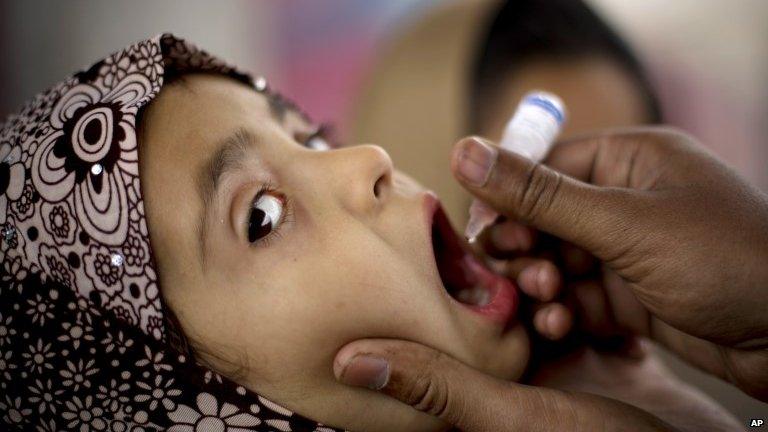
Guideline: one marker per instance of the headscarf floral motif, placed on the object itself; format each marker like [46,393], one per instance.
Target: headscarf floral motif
[83,340]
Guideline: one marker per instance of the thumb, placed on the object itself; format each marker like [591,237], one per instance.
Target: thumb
[534,194]
[436,384]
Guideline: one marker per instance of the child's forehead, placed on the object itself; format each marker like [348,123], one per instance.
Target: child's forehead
[190,119]
[203,106]
[209,95]
[222,92]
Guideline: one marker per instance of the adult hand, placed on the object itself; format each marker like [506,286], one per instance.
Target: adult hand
[439,385]
[685,239]
[636,376]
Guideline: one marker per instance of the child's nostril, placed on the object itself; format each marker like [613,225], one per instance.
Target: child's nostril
[377,187]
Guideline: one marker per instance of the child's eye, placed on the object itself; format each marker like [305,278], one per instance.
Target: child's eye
[318,140]
[265,216]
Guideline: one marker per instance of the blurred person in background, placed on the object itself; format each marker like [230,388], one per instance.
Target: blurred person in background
[469,80]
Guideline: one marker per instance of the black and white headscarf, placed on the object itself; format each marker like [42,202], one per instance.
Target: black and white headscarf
[84,343]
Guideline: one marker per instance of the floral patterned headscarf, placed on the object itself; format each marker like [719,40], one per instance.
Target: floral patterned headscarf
[85,343]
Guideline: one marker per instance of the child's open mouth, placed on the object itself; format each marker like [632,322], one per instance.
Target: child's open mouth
[466,279]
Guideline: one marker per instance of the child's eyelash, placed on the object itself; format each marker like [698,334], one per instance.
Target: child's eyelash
[326,131]
[285,217]
[323,131]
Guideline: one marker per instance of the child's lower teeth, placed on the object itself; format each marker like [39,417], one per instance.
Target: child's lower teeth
[475,296]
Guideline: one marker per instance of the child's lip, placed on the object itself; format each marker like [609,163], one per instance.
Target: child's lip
[504,299]
[431,204]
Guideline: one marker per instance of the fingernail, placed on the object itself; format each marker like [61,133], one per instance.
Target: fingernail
[530,277]
[543,277]
[365,371]
[475,161]
[551,323]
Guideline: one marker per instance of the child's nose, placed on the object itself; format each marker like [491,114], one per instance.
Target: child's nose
[366,177]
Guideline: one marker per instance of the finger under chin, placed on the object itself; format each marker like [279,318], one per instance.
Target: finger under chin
[439,385]
[428,380]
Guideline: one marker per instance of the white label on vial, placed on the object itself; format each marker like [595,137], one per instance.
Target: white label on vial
[533,128]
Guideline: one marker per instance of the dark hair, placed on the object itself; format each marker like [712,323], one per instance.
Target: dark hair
[522,30]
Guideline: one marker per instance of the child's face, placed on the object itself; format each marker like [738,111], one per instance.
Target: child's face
[352,259]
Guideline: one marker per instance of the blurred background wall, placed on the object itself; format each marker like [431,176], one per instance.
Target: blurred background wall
[44,41]
[708,60]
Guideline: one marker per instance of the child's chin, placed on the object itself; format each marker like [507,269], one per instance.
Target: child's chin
[511,357]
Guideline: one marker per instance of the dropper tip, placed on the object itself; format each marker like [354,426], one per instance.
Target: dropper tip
[480,217]
[473,230]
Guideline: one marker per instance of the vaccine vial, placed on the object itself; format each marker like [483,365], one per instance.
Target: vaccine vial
[530,132]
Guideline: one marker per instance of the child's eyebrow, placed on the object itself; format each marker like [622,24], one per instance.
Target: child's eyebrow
[231,150]
[279,105]
[229,156]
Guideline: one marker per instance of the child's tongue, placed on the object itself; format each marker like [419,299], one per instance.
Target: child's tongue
[460,271]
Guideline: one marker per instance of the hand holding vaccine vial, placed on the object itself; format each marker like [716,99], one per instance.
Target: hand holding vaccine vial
[530,132]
